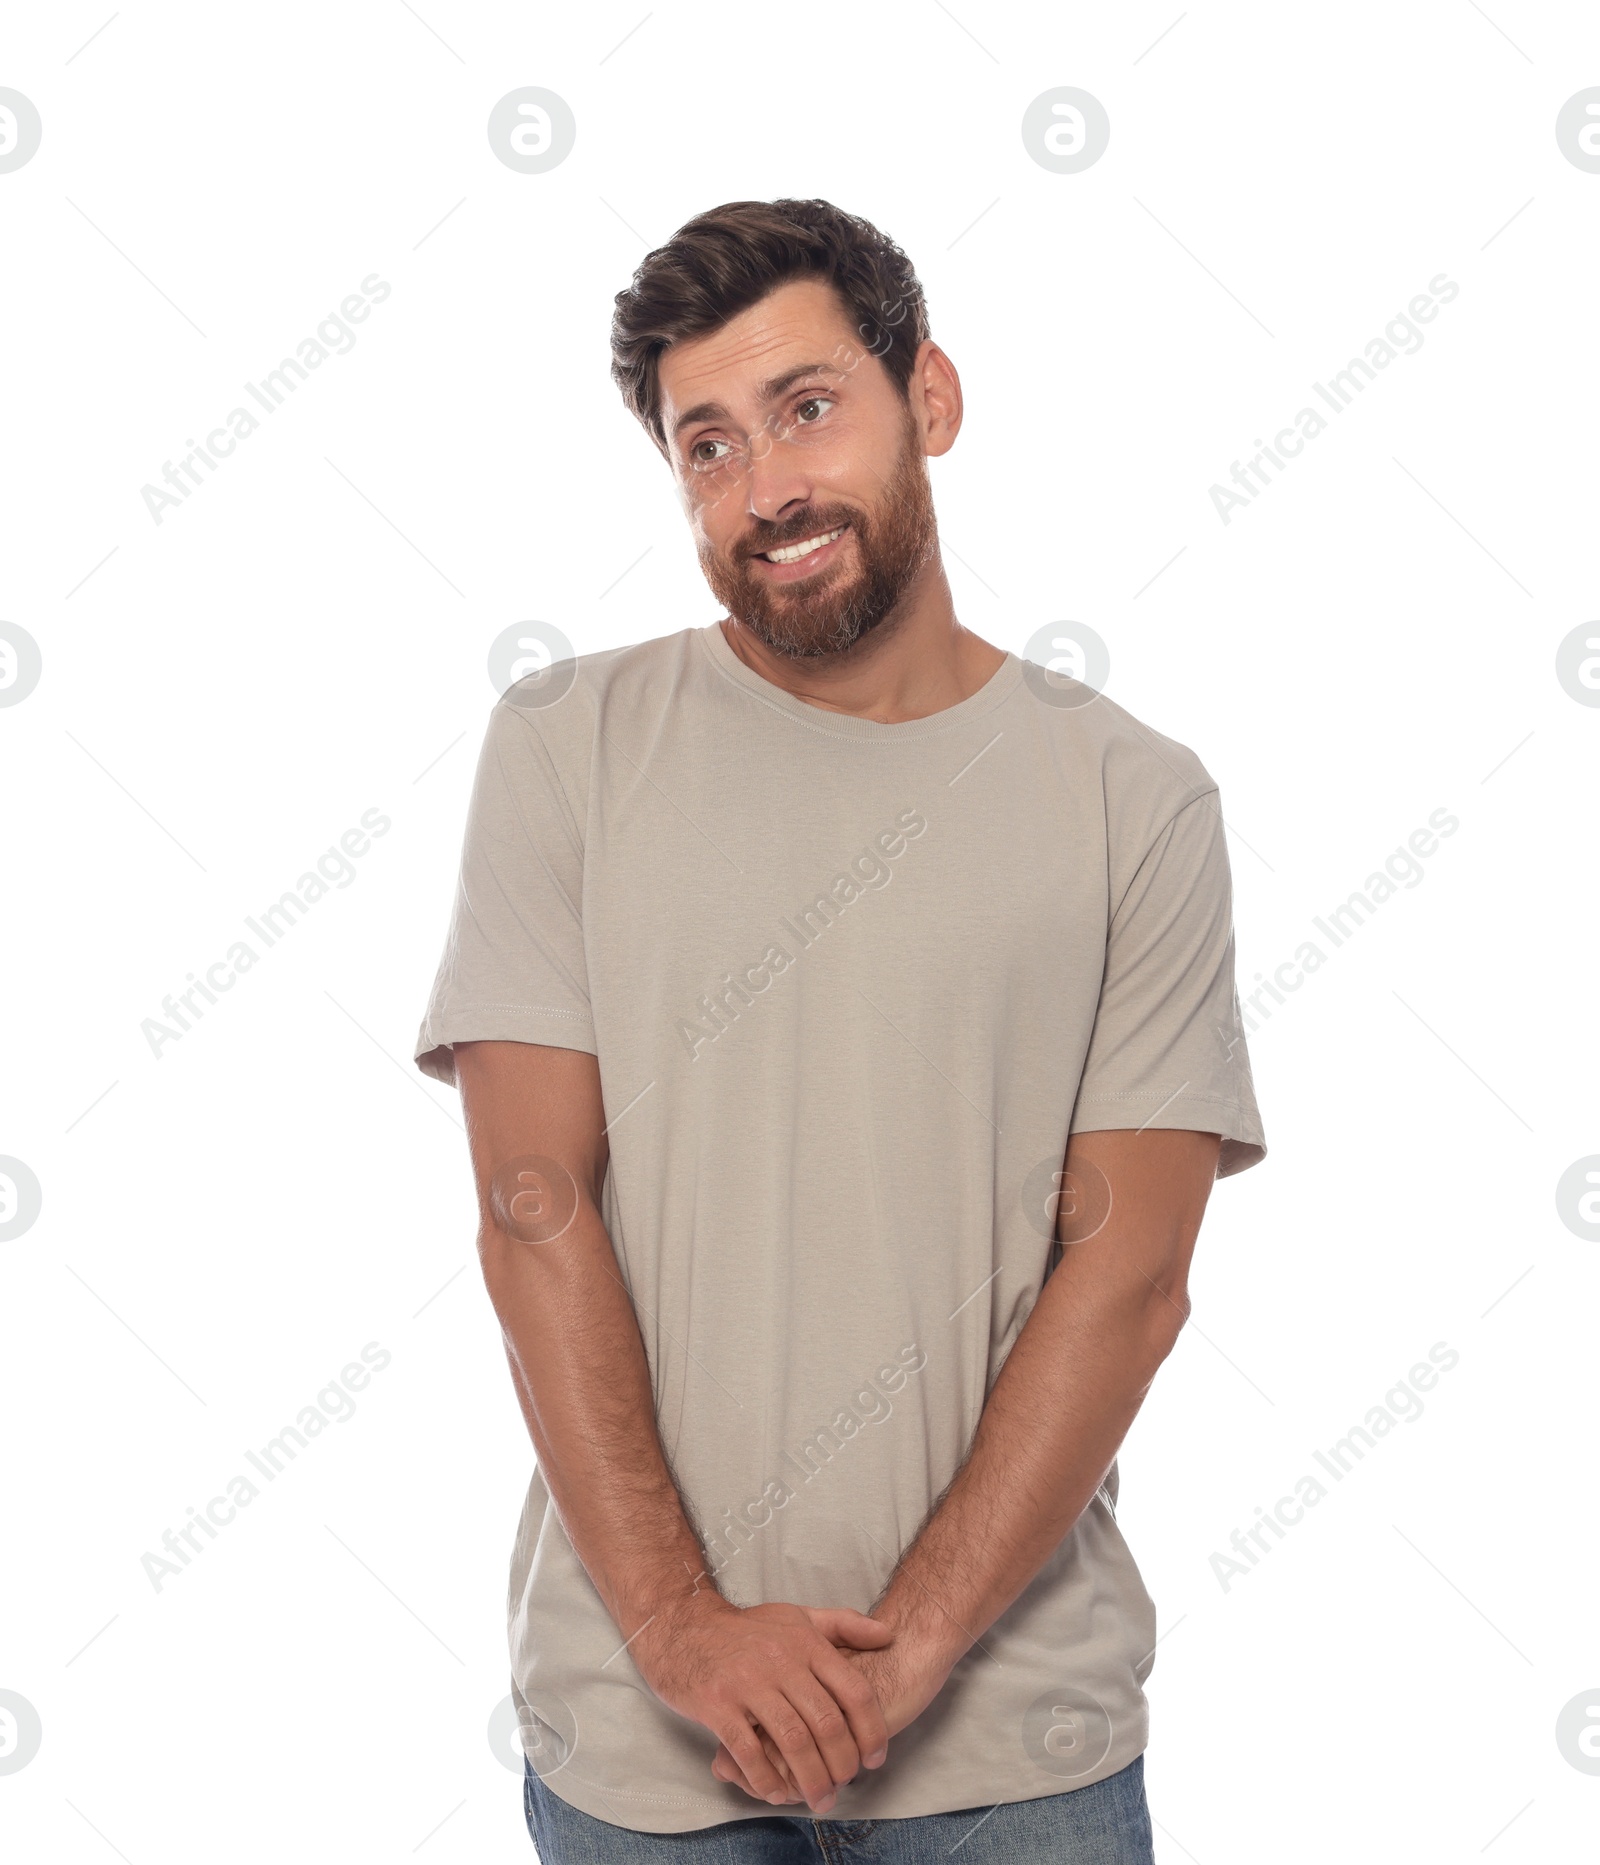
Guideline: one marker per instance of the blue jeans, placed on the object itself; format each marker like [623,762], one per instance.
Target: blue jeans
[1105,1824]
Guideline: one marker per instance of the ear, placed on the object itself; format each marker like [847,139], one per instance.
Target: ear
[935,391]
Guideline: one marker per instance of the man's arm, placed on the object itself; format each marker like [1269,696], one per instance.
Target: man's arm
[1058,1411]
[583,1382]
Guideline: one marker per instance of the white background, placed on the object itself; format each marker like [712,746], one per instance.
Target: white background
[224,693]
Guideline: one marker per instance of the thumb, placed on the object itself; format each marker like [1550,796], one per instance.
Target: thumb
[843,1625]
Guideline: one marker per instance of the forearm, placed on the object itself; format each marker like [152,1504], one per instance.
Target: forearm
[536,1125]
[1055,1418]
[583,1383]
[1068,1391]
[1057,1413]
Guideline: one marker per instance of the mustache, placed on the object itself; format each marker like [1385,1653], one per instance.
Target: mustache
[792,534]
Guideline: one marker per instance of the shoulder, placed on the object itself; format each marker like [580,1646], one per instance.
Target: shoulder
[1144,777]
[563,704]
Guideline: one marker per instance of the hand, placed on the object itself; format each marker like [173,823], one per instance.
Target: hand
[773,1669]
[905,1678]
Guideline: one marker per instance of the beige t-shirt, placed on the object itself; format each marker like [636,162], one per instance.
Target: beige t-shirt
[850,985]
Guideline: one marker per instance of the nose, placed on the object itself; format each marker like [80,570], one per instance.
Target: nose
[779,484]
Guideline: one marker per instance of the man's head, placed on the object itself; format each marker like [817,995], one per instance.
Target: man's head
[778,355]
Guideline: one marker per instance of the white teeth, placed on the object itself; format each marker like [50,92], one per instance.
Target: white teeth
[793,552]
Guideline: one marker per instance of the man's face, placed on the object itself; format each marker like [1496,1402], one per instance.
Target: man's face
[781,429]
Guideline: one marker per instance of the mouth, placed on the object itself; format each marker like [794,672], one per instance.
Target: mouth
[803,557]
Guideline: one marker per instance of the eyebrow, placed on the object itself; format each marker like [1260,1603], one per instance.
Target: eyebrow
[766,391]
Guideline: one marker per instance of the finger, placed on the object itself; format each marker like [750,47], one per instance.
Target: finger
[786,1723]
[779,1764]
[744,1747]
[826,1716]
[725,1768]
[842,1625]
[852,1690]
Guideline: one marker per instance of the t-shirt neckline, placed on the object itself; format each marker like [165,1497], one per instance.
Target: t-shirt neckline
[994,690]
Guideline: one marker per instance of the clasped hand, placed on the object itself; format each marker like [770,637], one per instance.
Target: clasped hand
[799,1697]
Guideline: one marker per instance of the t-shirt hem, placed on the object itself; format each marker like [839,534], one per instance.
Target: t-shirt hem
[517,1023]
[1243,1141]
[1166,1112]
[703,1811]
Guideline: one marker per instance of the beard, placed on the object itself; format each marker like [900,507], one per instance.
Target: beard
[829,612]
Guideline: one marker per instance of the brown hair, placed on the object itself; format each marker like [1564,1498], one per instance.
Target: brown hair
[725,260]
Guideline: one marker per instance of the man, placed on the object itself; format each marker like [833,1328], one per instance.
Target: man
[844,1015]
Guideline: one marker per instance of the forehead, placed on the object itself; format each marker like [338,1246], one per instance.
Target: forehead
[803,321]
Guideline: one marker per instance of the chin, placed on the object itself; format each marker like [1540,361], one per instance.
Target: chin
[838,636]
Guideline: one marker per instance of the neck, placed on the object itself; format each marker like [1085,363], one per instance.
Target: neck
[918,660]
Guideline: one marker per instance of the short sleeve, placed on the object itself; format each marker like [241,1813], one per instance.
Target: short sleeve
[513,964]
[1168,1046]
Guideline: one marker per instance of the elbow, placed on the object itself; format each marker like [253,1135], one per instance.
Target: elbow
[1166,1310]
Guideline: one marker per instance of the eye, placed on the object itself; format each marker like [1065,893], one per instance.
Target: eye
[697,458]
[812,401]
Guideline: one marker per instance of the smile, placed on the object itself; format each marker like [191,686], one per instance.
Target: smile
[792,553]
